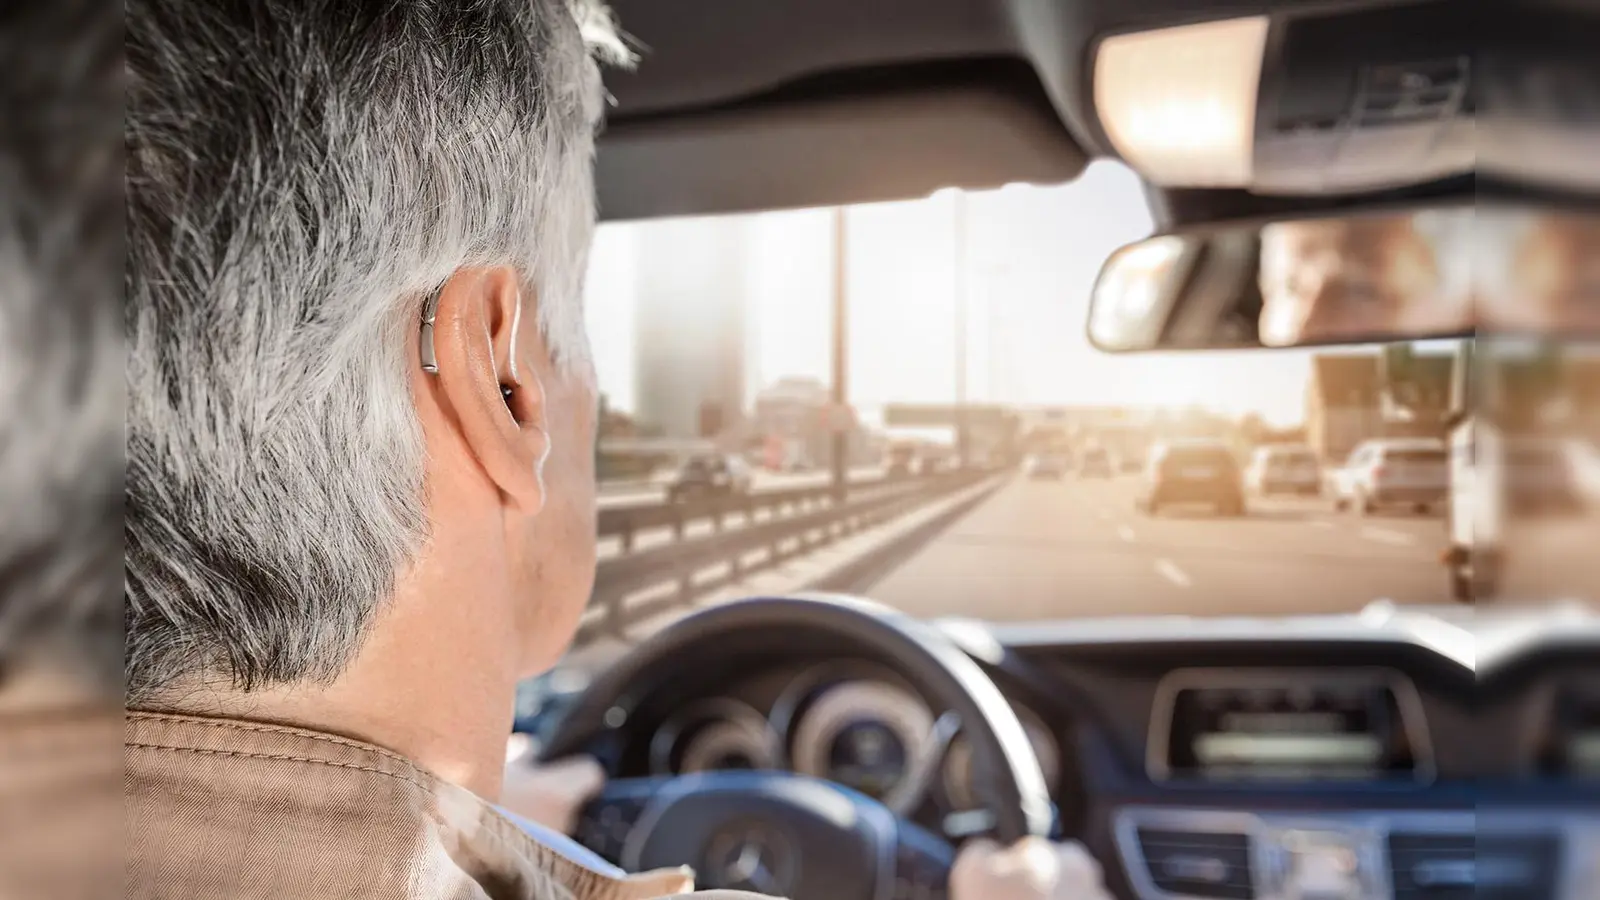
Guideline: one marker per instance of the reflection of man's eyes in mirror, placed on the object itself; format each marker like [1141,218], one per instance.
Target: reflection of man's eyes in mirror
[1358,288]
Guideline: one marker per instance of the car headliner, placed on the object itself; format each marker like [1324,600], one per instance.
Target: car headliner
[738,105]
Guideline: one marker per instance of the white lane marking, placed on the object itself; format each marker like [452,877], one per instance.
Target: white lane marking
[1388,536]
[1104,516]
[1125,533]
[1321,523]
[1169,570]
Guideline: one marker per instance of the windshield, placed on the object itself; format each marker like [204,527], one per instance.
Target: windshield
[940,403]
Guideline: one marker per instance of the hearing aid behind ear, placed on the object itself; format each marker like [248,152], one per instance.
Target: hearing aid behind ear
[430,311]
[425,349]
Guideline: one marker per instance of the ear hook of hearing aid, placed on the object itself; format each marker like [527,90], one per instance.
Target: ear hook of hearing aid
[430,311]
[425,348]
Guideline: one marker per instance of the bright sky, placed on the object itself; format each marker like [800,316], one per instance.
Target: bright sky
[1032,256]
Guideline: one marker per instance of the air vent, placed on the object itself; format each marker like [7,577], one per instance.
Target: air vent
[1464,867]
[1198,864]
[1401,93]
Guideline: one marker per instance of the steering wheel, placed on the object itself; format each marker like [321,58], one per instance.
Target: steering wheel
[787,834]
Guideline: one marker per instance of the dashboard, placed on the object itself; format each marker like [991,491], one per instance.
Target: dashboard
[1234,759]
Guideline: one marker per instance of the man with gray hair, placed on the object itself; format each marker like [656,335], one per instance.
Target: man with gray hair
[360,489]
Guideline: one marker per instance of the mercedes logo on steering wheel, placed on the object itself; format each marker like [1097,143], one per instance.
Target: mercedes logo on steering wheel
[751,856]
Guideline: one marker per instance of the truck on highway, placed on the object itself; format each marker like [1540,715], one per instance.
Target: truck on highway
[1501,389]
[1471,514]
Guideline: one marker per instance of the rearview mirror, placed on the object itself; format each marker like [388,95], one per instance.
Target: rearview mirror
[1408,275]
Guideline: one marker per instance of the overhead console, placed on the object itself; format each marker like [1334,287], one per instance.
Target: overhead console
[1366,100]
[1322,102]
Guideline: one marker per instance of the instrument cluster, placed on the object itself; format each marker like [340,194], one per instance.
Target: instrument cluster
[865,730]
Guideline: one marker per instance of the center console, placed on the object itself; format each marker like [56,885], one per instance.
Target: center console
[1196,854]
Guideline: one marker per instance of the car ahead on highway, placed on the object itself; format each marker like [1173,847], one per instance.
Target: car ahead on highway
[1390,472]
[1198,472]
[1046,466]
[710,475]
[1283,469]
[1096,463]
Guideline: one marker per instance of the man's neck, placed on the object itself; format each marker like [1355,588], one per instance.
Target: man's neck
[434,682]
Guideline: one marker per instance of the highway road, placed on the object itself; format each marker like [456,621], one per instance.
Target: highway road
[1078,547]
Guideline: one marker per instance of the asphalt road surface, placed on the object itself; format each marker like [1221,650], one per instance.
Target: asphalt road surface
[1078,547]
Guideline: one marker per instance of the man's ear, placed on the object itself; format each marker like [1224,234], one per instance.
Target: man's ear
[496,407]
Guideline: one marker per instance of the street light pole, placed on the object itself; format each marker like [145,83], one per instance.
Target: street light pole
[841,356]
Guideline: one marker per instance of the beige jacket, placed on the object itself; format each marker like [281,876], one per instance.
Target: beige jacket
[219,808]
[60,812]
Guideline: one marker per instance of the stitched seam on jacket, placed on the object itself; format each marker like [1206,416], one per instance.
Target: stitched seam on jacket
[284,757]
[156,718]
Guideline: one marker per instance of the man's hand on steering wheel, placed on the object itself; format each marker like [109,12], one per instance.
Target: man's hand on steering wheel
[551,794]
[1031,869]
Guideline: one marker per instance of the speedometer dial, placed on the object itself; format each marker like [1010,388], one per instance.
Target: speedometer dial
[958,778]
[865,735]
[728,745]
[713,736]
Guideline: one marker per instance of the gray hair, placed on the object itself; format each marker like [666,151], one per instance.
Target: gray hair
[60,338]
[300,174]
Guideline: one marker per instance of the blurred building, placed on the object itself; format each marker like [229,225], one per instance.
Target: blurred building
[691,327]
[790,421]
[621,446]
[1346,401]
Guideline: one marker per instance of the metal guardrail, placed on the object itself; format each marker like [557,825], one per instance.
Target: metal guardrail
[797,521]
[625,522]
